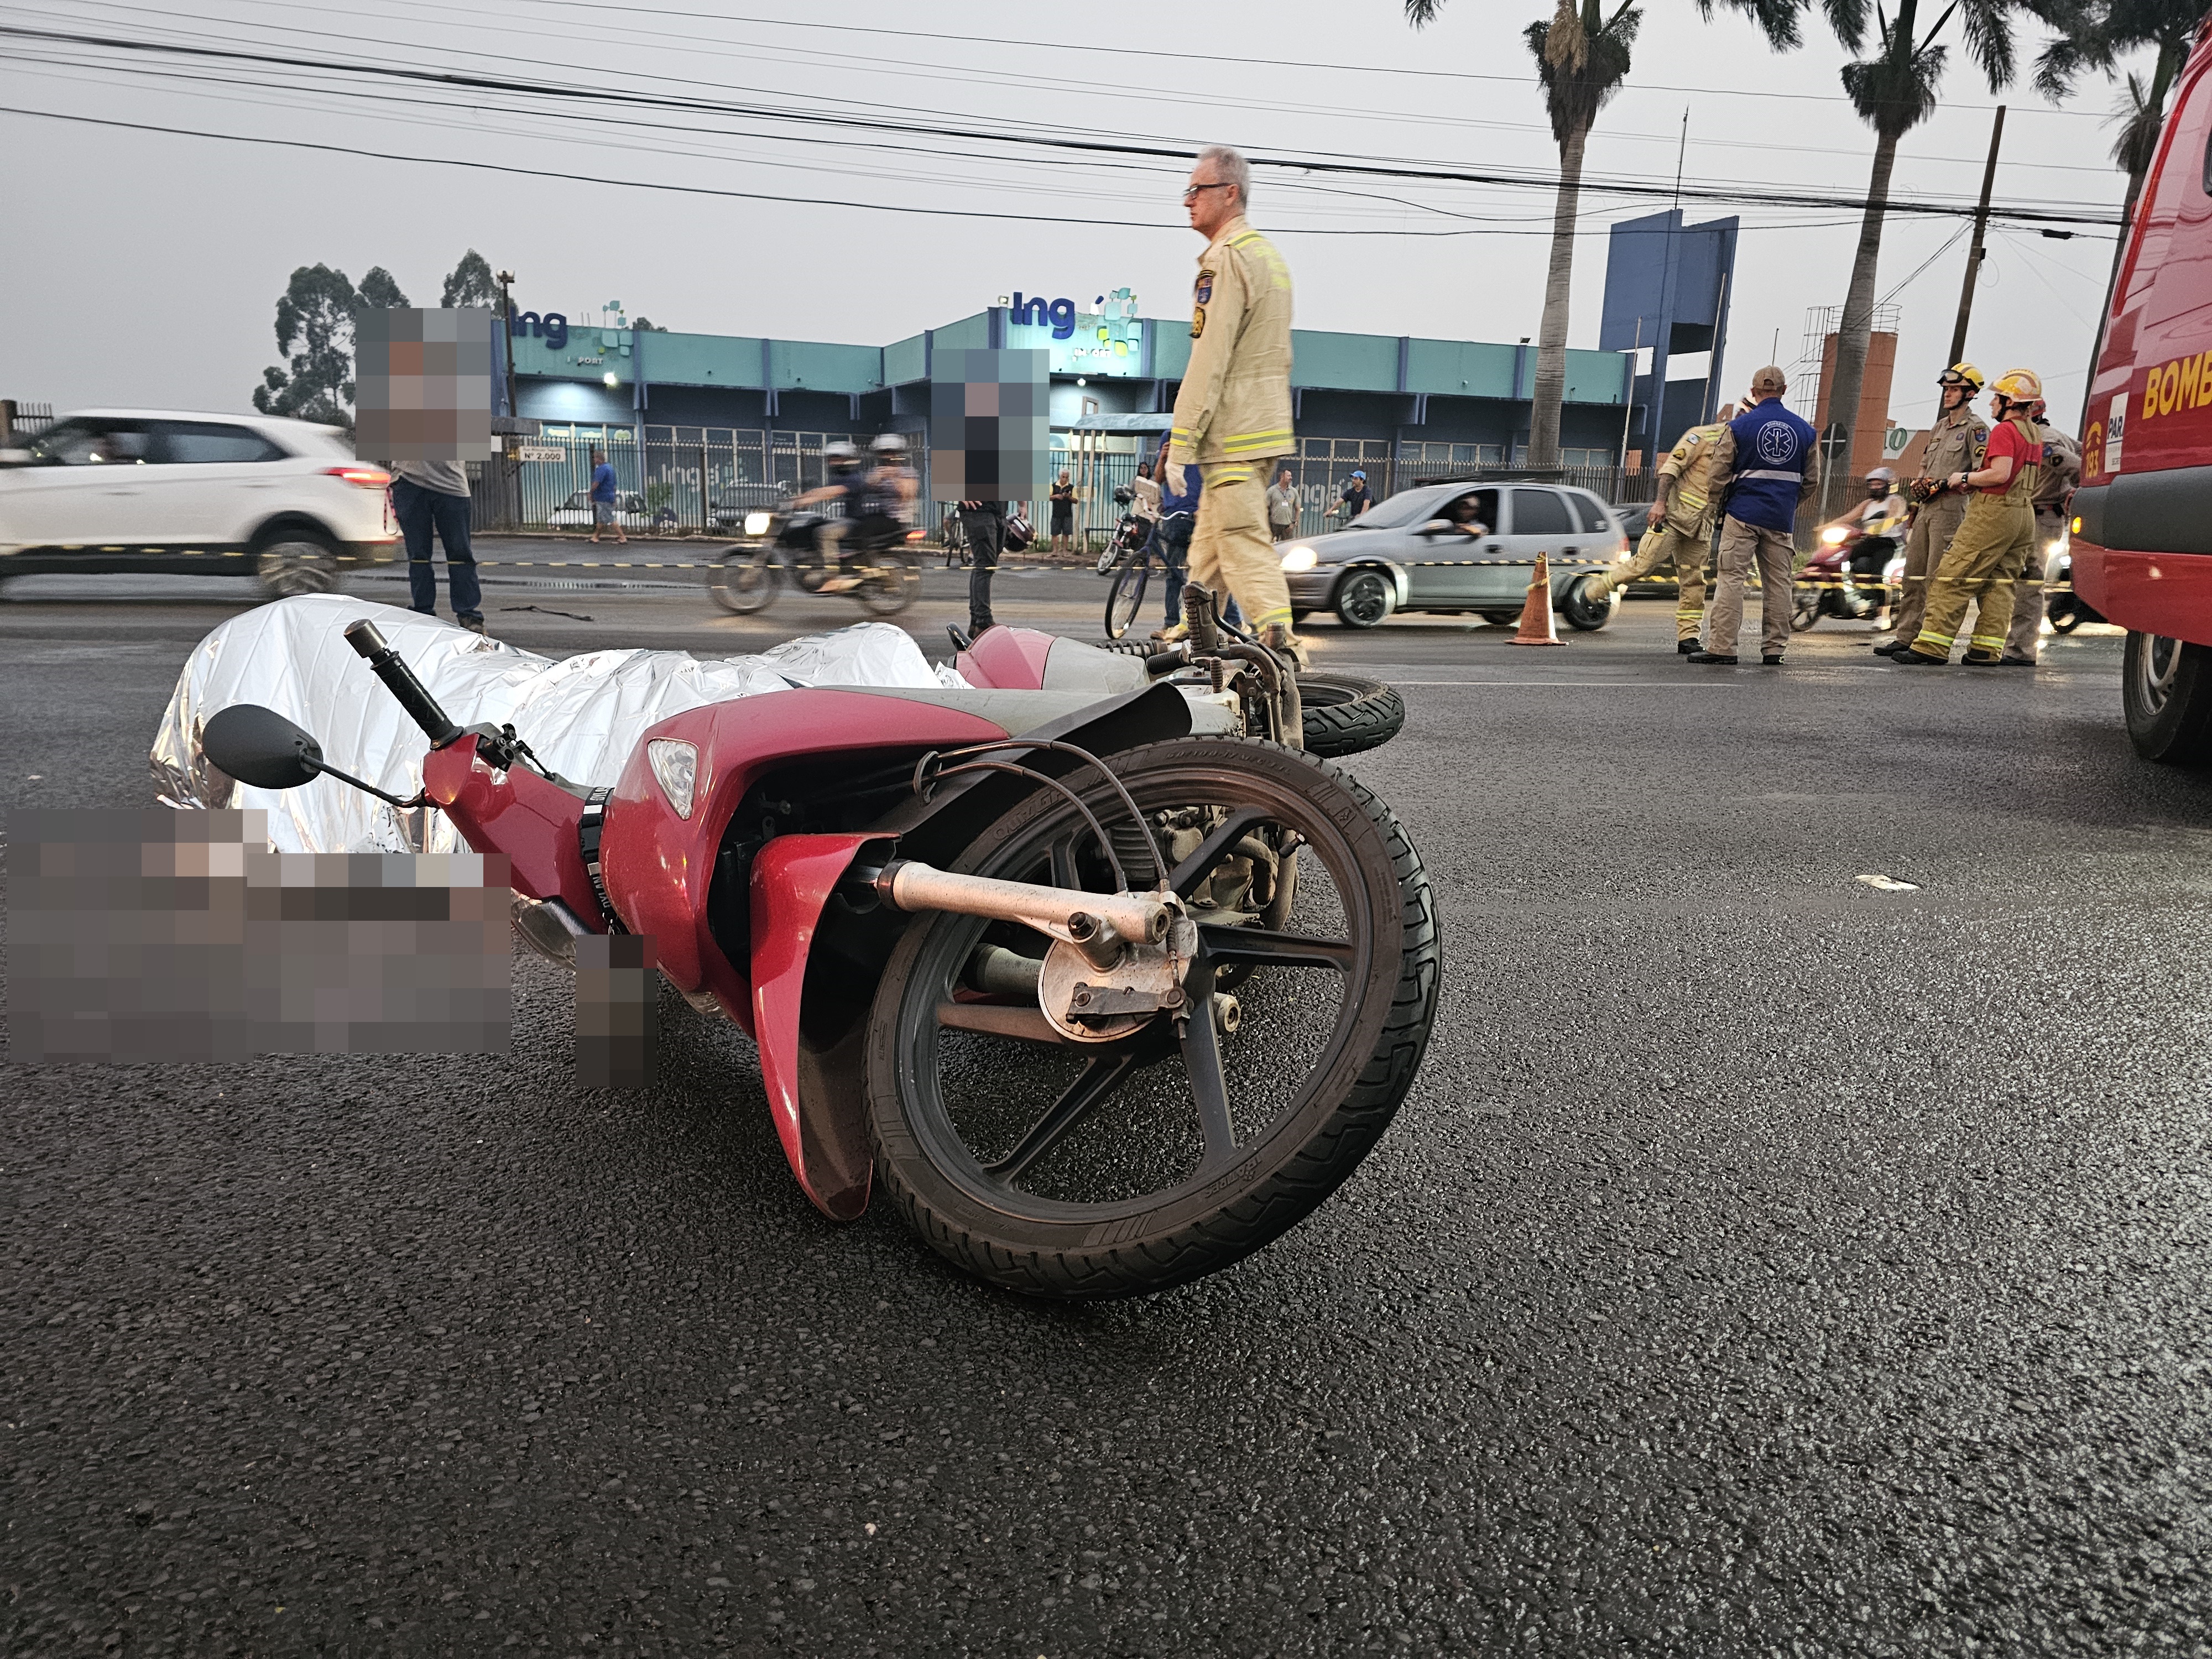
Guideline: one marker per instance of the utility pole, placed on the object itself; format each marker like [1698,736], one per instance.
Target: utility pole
[1974,253]
[510,498]
[507,321]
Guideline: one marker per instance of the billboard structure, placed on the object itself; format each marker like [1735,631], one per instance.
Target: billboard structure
[1667,290]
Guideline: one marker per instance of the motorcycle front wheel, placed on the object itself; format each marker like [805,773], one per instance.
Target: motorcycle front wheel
[743,580]
[1807,610]
[889,584]
[1126,599]
[1081,1171]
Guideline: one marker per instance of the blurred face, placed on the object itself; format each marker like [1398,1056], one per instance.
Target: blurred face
[1954,395]
[1876,488]
[1211,200]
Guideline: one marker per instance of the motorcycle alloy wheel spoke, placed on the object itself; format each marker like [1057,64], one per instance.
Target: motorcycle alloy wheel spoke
[1022,1023]
[1063,862]
[1098,1080]
[1186,876]
[1201,1059]
[1267,948]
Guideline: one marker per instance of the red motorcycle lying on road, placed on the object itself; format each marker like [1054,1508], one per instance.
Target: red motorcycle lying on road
[1108,1005]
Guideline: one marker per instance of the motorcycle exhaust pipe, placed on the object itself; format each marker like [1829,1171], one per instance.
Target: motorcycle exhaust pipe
[1100,925]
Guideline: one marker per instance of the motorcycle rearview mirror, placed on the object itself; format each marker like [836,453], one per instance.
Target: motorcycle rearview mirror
[259,746]
[263,750]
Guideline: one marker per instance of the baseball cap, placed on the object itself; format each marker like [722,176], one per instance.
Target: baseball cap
[1769,381]
[1361,476]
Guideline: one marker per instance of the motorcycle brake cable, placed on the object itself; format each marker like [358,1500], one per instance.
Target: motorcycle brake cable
[1128,801]
[926,777]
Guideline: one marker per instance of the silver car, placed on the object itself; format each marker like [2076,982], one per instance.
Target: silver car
[1469,546]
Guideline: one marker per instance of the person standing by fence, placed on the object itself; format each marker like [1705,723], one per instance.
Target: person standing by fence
[1063,513]
[1282,507]
[604,510]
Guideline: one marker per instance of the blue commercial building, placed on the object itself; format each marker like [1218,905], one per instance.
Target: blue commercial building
[691,419]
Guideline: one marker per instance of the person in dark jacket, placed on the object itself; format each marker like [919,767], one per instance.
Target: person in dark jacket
[1775,464]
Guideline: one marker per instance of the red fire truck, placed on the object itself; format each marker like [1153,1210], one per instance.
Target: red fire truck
[2142,529]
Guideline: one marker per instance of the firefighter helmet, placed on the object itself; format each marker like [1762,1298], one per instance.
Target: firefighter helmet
[1965,374]
[2018,385]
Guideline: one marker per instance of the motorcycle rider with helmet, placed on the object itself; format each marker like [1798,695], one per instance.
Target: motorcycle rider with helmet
[848,483]
[1877,519]
[1955,441]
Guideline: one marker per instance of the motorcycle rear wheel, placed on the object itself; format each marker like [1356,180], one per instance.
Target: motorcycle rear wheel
[742,580]
[1174,1152]
[1805,612]
[889,584]
[1126,599]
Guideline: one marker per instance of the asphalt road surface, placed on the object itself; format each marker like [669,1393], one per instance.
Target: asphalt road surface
[1764,1263]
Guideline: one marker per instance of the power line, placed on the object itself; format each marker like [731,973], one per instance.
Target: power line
[1156,149]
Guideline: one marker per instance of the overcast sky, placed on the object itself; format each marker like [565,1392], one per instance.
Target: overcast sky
[144,267]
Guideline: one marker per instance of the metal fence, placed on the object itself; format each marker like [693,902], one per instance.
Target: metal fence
[20,420]
[704,488]
[672,488]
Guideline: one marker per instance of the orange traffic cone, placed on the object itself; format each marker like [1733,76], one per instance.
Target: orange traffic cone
[1537,627]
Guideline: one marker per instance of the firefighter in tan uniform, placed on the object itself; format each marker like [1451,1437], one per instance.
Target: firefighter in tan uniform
[1232,415]
[1995,538]
[1680,525]
[2062,471]
[1954,444]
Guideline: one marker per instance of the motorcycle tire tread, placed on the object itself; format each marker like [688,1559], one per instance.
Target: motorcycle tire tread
[1368,718]
[1287,1194]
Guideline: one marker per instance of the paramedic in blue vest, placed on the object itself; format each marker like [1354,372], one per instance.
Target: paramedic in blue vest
[1777,464]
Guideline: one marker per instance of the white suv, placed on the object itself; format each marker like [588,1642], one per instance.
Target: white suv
[134,491]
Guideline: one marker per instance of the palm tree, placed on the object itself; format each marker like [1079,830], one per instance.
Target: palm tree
[1582,58]
[2094,35]
[1894,91]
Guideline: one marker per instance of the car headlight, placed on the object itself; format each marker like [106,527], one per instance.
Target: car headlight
[757,524]
[1833,534]
[1300,558]
[676,764]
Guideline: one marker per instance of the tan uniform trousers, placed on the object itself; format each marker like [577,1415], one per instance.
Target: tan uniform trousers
[1933,526]
[1230,544]
[2027,631]
[1981,565]
[1684,555]
[1777,554]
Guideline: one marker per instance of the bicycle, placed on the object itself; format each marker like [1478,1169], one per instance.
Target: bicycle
[1129,555]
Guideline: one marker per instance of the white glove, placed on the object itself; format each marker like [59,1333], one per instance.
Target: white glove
[1174,476]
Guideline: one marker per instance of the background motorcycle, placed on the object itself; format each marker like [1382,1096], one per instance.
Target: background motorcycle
[784,546]
[2065,607]
[1129,533]
[1106,1006]
[1845,577]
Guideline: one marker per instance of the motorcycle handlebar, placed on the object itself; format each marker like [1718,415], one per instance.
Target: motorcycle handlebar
[399,679]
